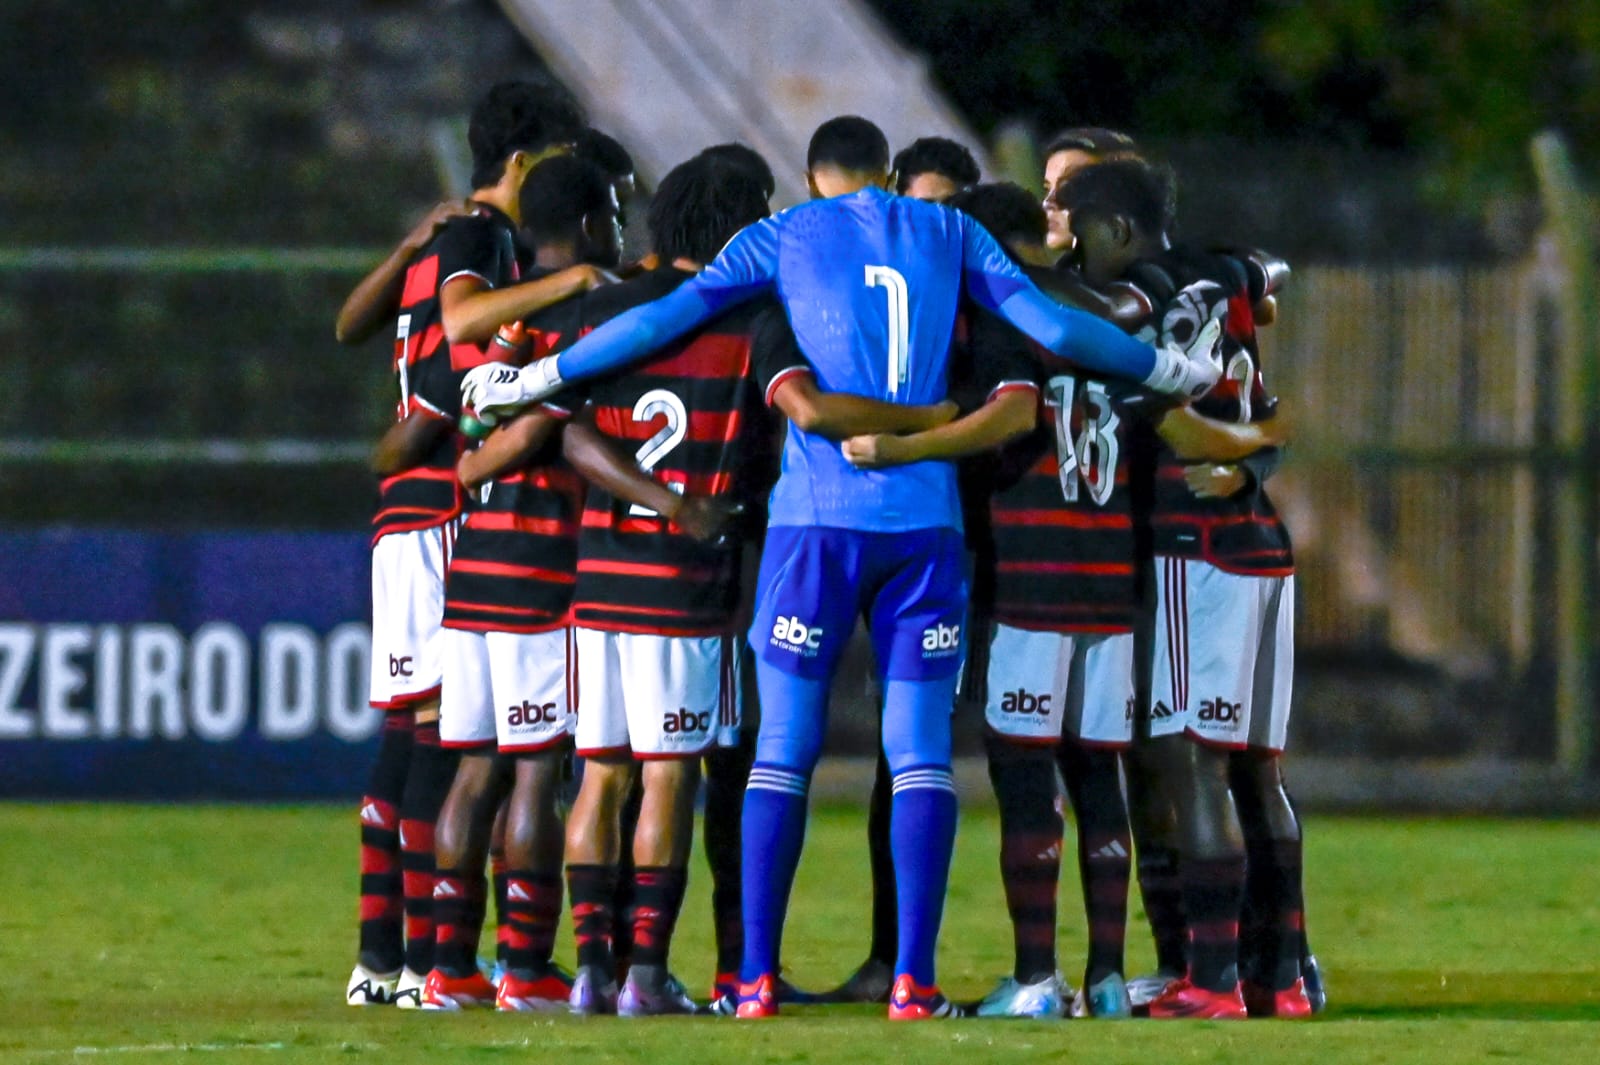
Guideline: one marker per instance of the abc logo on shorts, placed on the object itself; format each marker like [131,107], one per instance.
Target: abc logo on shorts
[531,713]
[941,640]
[1025,702]
[795,635]
[673,724]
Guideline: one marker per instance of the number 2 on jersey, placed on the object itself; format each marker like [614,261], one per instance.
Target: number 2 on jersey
[893,282]
[1091,457]
[652,451]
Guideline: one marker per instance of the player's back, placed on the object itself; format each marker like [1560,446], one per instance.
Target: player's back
[871,284]
[691,414]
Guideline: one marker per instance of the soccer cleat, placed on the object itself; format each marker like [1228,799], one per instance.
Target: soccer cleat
[651,991]
[724,994]
[408,991]
[1106,999]
[1184,999]
[1316,990]
[547,993]
[759,998]
[594,991]
[443,992]
[909,1002]
[1291,1003]
[871,982]
[497,972]
[1143,990]
[1012,998]
[367,988]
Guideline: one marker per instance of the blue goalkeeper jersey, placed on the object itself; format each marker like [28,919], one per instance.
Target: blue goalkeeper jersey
[871,283]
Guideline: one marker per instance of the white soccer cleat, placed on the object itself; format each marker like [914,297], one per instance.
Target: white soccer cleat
[367,988]
[408,990]
[1143,990]
[1046,999]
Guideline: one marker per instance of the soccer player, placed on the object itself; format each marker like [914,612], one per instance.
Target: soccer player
[472,258]
[1224,610]
[1068,152]
[1055,586]
[653,608]
[934,168]
[870,283]
[508,585]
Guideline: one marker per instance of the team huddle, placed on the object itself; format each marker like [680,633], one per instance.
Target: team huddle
[631,513]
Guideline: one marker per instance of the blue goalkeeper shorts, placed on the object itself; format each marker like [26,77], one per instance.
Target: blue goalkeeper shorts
[814,582]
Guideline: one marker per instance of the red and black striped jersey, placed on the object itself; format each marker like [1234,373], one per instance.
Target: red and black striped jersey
[514,565]
[429,368]
[1243,533]
[693,413]
[1061,554]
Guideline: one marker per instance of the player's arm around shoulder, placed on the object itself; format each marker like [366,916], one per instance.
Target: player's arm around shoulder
[470,310]
[1010,412]
[407,442]
[510,446]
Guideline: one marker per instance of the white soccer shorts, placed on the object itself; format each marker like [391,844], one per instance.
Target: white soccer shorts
[407,605]
[656,696]
[1223,655]
[1045,685]
[509,688]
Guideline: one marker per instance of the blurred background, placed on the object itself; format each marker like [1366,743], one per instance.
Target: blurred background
[188,191]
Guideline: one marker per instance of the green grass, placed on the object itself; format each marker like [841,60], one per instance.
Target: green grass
[226,934]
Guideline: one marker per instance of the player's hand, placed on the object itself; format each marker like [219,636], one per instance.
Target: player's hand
[429,225]
[944,412]
[707,519]
[499,390]
[1189,347]
[592,277]
[874,451]
[1209,481]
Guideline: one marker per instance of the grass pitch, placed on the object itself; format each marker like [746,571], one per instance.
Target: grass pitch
[143,933]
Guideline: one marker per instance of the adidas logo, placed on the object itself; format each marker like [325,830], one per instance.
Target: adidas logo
[517,892]
[1049,854]
[444,889]
[1114,849]
[1160,710]
[371,815]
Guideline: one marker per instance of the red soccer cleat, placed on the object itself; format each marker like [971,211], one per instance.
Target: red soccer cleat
[443,992]
[547,994]
[1184,999]
[758,999]
[1292,1003]
[908,1001]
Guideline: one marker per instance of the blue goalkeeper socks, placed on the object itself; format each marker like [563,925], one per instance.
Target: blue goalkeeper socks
[922,830]
[794,715]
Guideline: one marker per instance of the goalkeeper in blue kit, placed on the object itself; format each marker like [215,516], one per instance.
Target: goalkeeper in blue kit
[871,283]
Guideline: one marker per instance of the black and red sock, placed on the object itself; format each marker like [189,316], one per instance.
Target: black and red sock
[885,944]
[498,878]
[459,899]
[382,907]
[1213,891]
[593,889]
[1105,852]
[532,911]
[432,770]
[727,770]
[1024,779]
[657,901]
[1162,891]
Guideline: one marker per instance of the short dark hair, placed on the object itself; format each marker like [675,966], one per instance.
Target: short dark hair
[559,192]
[1008,211]
[604,151]
[746,157]
[849,142]
[531,115]
[1095,140]
[1141,191]
[935,155]
[700,205]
